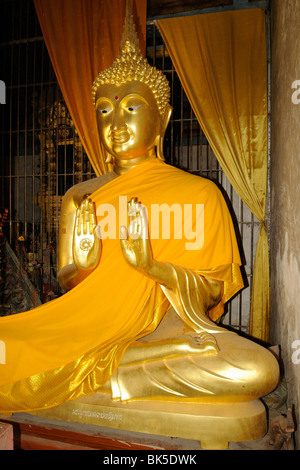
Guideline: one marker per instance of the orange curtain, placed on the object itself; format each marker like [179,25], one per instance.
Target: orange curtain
[221,61]
[82,38]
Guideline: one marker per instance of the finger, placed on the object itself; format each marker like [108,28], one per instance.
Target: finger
[144,222]
[140,211]
[97,232]
[134,230]
[125,245]
[140,222]
[123,233]
[134,213]
[133,200]
[89,215]
[132,208]
[84,216]
[78,222]
[93,221]
[81,214]
[143,215]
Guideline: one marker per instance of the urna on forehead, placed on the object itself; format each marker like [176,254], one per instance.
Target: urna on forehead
[117,93]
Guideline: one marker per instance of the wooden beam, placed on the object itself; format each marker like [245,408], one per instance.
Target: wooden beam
[168,8]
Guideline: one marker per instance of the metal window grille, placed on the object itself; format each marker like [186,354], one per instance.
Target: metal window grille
[41,154]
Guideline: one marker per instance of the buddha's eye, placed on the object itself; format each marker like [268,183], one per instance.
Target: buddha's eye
[103,111]
[133,108]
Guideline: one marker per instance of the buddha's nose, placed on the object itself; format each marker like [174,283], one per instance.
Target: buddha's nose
[118,120]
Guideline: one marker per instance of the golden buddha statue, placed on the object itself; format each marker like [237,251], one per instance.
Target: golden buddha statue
[132,105]
[137,324]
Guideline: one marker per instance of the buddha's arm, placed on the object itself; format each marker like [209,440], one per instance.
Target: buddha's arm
[66,267]
[137,251]
[75,264]
[138,352]
[162,273]
[191,294]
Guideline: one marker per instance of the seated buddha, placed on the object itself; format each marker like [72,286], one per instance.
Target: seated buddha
[144,294]
[187,356]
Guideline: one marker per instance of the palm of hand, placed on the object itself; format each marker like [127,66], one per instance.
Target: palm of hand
[136,245]
[86,243]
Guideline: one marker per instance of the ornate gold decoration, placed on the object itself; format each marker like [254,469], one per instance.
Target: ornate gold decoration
[85,244]
[130,65]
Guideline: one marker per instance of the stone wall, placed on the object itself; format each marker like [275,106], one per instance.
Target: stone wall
[285,193]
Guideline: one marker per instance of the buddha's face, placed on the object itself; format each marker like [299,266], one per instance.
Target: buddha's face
[128,120]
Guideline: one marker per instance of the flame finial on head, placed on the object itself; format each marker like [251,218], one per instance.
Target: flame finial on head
[129,41]
[130,65]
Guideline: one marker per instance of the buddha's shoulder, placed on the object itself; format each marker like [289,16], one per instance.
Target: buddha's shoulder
[80,191]
[195,182]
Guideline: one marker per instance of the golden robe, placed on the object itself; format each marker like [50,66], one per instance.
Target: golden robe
[71,346]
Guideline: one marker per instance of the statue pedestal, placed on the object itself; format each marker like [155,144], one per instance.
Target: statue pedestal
[214,426]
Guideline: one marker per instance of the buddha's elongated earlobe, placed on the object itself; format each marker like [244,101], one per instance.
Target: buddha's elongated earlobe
[109,158]
[109,162]
[160,139]
[160,148]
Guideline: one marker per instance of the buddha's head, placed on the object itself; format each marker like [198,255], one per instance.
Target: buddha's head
[131,99]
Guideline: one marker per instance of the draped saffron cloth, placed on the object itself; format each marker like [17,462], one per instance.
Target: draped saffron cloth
[71,346]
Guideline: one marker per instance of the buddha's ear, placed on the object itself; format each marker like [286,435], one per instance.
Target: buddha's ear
[109,158]
[109,162]
[165,119]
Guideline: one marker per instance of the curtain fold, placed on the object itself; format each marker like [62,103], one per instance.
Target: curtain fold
[221,61]
[82,38]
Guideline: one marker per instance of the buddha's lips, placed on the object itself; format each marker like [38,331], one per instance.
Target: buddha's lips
[119,137]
